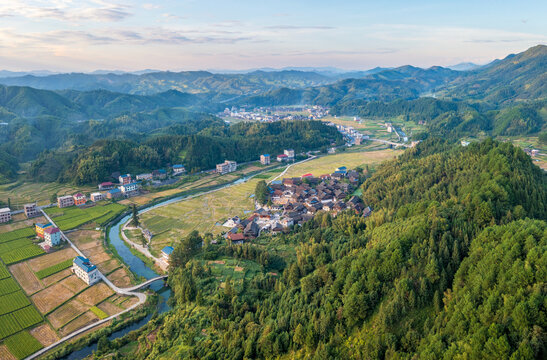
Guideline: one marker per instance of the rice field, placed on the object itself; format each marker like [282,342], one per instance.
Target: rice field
[22,344]
[73,217]
[54,269]
[21,193]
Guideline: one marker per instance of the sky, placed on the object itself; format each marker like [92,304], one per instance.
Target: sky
[87,35]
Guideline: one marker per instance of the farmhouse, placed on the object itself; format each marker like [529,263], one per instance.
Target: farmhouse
[106,185]
[124,179]
[97,196]
[129,189]
[178,169]
[5,215]
[79,199]
[289,153]
[236,238]
[40,229]
[265,159]
[31,210]
[226,167]
[282,157]
[114,194]
[86,271]
[52,236]
[166,253]
[146,176]
[159,174]
[65,201]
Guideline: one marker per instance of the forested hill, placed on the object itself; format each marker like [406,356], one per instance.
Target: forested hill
[197,150]
[451,264]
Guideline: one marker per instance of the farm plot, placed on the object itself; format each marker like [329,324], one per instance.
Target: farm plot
[8,286]
[12,302]
[66,313]
[15,246]
[100,314]
[44,334]
[73,217]
[45,261]
[51,297]
[26,278]
[22,344]
[16,234]
[54,269]
[22,253]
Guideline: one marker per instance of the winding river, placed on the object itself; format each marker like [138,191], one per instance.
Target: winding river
[139,268]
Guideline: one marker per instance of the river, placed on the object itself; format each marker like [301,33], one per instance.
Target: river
[139,268]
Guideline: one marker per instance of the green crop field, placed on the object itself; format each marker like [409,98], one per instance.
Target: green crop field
[8,325]
[22,345]
[100,314]
[15,244]
[17,234]
[73,217]
[27,316]
[22,253]
[4,273]
[22,192]
[8,286]
[54,269]
[12,302]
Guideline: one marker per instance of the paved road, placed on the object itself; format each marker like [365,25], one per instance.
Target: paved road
[123,291]
[390,143]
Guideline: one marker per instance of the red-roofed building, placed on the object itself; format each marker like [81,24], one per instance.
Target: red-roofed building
[307,175]
[52,236]
[282,157]
[106,185]
[237,238]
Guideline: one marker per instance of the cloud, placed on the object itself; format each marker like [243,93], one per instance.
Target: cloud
[93,10]
[298,27]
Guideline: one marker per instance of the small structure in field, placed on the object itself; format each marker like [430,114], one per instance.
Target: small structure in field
[97,196]
[40,229]
[65,201]
[5,215]
[265,159]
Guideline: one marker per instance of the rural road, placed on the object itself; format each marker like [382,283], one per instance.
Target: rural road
[122,291]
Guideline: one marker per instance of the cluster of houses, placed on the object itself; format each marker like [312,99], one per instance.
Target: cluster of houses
[531,152]
[351,135]
[297,200]
[272,114]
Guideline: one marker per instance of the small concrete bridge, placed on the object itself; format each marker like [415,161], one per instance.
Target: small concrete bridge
[144,284]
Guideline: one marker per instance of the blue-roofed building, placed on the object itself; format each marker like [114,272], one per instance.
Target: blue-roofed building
[114,194]
[265,159]
[178,169]
[166,253]
[341,170]
[85,270]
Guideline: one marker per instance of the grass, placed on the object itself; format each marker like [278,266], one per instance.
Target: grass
[54,269]
[22,344]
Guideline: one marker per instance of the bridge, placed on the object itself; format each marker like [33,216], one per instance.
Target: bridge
[144,284]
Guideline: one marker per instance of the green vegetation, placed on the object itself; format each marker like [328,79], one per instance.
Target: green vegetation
[73,217]
[8,286]
[54,269]
[12,302]
[20,254]
[450,263]
[262,193]
[16,234]
[8,325]
[241,142]
[27,316]
[22,344]
[100,314]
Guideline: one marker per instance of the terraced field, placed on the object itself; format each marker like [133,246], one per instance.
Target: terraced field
[21,192]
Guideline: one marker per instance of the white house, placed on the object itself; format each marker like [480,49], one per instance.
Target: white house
[52,236]
[97,196]
[147,176]
[5,215]
[232,222]
[289,153]
[178,169]
[86,271]
[226,167]
[128,189]
[166,253]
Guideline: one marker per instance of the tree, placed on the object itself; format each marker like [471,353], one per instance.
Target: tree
[262,192]
[9,203]
[53,198]
[186,249]
[135,216]
[103,345]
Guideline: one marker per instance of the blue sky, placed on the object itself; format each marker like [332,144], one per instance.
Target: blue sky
[86,35]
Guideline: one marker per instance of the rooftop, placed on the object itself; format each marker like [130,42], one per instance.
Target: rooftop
[177,166]
[168,250]
[51,230]
[84,264]
[3,210]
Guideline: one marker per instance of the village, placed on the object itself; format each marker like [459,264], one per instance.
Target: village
[293,201]
[272,114]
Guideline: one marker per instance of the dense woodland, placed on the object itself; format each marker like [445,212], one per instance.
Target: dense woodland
[197,151]
[451,264]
